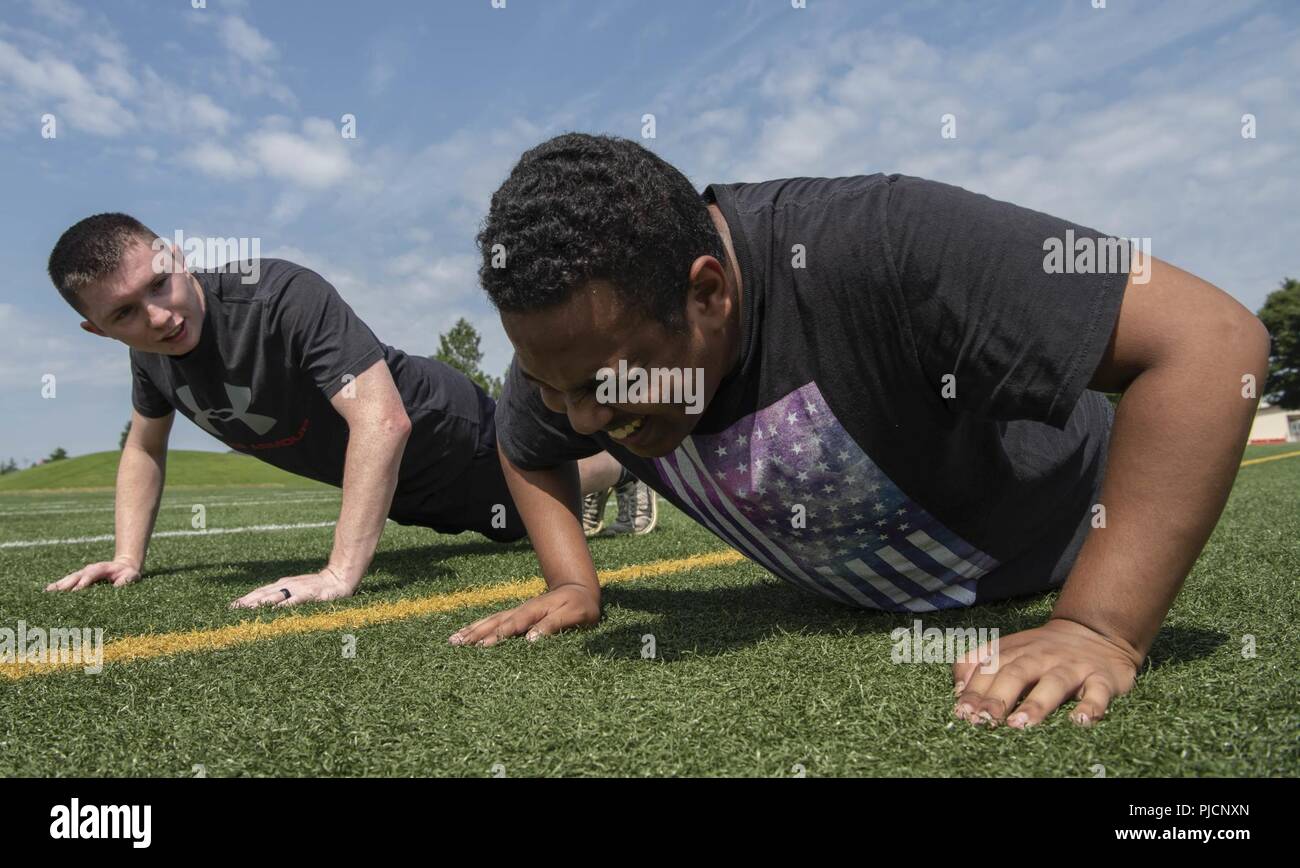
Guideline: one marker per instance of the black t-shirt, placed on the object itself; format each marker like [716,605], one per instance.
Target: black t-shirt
[271,355]
[913,501]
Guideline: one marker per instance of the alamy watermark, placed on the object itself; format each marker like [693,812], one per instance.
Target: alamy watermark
[636,385]
[75,820]
[921,644]
[230,255]
[1087,255]
[53,646]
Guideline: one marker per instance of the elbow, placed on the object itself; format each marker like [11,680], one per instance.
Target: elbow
[393,426]
[1252,343]
[398,424]
[1263,343]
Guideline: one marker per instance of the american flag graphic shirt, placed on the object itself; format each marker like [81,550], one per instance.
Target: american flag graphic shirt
[788,487]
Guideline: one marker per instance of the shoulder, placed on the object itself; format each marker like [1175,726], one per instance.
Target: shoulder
[785,193]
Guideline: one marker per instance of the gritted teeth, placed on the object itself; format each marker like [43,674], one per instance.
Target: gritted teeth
[627,430]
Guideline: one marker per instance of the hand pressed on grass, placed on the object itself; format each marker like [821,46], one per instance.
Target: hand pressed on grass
[1055,663]
[557,609]
[119,572]
[307,588]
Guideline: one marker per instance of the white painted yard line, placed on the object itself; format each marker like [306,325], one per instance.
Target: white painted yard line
[212,531]
[186,505]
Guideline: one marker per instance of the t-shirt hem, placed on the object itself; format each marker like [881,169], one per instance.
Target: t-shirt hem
[359,366]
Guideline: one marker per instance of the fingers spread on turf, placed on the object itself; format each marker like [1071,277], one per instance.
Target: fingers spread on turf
[461,636]
[978,661]
[259,597]
[65,583]
[1094,697]
[553,623]
[486,631]
[1053,688]
[89,576]
[982,676]
[1010,683]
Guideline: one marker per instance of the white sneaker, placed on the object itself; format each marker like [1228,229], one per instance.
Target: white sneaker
[638,509]
[593,511]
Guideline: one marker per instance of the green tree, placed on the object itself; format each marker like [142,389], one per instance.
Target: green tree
[121,441]
[460,349]
[9,466]
[58,454]
[1281,314]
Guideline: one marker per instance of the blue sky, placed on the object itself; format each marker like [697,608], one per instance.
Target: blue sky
[224,122]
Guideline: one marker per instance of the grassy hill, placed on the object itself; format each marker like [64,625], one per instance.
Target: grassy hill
[184,467]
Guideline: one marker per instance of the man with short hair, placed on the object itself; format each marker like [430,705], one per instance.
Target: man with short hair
[897,413]
[279,367]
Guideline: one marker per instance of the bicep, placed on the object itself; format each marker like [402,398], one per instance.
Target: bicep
[371,397]
[1170,315]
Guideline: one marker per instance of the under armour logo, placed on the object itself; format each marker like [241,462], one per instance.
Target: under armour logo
[240,398]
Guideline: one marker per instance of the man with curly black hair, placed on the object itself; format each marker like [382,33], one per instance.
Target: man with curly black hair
[898,400]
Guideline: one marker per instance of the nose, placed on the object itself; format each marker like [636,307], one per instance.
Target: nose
[159,317]
[587,415]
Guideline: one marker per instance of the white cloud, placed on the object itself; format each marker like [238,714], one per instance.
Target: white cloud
[221,162]
[250,57]
[45,83]
[246,41]
[315,158]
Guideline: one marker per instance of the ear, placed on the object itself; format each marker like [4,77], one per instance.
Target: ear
[92,328]
[707,294]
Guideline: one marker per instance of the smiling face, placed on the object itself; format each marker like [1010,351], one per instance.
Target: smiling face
[150,302]
[562,349]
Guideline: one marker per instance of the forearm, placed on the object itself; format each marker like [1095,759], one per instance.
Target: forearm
[1175,448]
[549,502]
[371,466]
[140,477]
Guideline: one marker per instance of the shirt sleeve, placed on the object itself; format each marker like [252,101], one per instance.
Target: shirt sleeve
[1021,332]
[532,436]
[147,399]
[322,336]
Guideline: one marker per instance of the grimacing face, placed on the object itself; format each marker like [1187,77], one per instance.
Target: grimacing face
[561,350]
[150,303]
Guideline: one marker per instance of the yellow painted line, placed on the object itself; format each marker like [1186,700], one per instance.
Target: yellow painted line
[132,648]
[1270,458]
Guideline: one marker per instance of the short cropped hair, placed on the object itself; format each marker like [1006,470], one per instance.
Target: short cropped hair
[91,250]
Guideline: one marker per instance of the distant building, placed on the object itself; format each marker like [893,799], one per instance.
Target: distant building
[1275,425]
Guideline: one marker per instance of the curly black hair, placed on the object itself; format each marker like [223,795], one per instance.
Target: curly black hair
[579,208]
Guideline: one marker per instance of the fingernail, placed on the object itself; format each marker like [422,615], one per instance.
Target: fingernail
[1018,720]
[532,635]
[1082,718]
[988,718]
[963,710]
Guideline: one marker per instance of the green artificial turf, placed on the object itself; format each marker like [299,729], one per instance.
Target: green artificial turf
[751,677]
